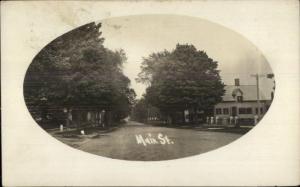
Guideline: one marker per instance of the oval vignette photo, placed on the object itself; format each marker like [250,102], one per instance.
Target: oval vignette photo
[149,87]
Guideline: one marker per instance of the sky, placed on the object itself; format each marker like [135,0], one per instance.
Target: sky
[139,36]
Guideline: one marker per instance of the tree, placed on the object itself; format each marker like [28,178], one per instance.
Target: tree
[77,70]
[183,79]
[140,111]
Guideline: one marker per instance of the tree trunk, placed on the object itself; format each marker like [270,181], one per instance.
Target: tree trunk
[183,116]
[97,116]
[169,119]
[108,118]
[69,117]
[196,116]
[43,114]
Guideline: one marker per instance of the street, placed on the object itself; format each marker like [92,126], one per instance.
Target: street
[137,141]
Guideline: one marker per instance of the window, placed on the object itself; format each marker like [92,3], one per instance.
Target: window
[218,111]
[239,99]
[261,110]
[242,110]
[256,110]
[225,111]
[245,110]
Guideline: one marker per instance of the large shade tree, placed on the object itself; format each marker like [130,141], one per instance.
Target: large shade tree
[77,70]
[140,111]
[182,79]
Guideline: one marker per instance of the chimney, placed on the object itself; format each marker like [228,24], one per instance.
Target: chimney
[237,82]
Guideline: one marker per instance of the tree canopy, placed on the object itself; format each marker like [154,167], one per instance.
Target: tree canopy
[184,78]
[76,69]
[140,111]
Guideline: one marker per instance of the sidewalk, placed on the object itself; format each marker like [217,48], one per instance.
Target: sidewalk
[74,138]
[230,128]
[211,127]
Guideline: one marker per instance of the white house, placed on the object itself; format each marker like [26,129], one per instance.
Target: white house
[240,101]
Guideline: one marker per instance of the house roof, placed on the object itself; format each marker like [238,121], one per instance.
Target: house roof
[249,93]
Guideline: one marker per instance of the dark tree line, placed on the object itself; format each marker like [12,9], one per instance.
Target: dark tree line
[182,79]
[77,70]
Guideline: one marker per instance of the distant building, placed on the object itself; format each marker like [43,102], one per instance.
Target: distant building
[241,101]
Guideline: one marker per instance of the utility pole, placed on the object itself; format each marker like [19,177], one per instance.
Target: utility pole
[257,76]
[148,113]
[271,76]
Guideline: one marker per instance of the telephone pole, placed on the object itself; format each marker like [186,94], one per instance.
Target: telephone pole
[257,76]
